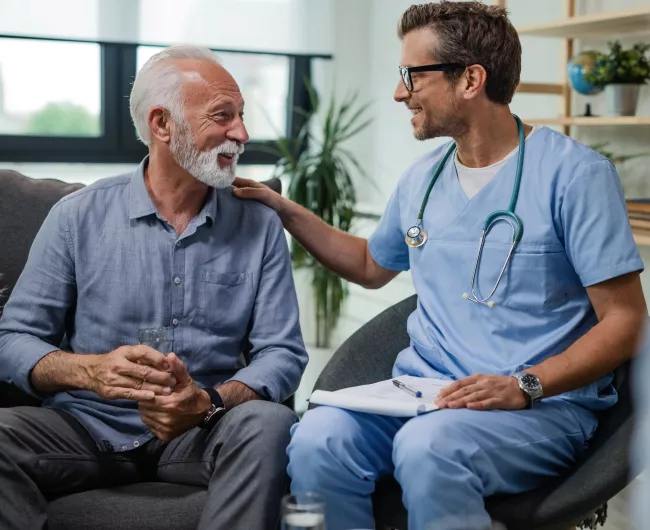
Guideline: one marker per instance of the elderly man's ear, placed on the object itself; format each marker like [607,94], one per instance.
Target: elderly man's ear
[160,124]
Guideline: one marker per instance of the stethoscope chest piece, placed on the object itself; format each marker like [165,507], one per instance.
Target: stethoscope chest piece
[415,236]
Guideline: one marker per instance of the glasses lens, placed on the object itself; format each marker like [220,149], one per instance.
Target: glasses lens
[406,78]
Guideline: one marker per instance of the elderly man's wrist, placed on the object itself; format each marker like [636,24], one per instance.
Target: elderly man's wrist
[205,403]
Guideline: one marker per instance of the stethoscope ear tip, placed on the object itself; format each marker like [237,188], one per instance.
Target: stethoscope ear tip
[489,304]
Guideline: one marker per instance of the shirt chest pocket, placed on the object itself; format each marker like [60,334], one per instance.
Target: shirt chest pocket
[225,301]
[540,281]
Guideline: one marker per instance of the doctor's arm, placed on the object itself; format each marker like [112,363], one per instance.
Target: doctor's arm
[621,309]
[345,254]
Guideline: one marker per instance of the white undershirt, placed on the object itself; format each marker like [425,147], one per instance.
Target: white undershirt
[472,179]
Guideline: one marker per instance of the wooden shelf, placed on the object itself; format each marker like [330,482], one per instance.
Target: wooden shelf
[625,22]
[541,88]
[592,121]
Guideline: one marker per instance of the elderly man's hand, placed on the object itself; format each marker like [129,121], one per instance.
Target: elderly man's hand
[172,415]
[483,392]
[129,372]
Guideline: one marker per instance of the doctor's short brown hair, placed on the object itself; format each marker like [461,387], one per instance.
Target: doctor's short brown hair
[471,33]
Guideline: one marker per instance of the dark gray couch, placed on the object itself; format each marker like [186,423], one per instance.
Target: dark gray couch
[368,356]
[24,203]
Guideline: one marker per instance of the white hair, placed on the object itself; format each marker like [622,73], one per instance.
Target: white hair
[160,83]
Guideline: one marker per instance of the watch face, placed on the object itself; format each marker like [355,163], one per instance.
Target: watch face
[529,381]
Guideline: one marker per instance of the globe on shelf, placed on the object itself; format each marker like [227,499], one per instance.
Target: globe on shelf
[577,67]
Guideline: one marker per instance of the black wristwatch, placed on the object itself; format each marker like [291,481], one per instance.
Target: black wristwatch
[216,412]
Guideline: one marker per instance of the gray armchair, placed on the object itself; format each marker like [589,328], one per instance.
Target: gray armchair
[581,496]
[24,204]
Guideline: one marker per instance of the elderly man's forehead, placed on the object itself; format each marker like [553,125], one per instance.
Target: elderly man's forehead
[202,76]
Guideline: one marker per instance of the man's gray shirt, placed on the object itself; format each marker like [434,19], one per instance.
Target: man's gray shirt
[105,264]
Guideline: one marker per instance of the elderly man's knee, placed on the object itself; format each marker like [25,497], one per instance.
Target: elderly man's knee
[263,420]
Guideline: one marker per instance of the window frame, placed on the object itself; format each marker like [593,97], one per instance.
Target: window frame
[118,143]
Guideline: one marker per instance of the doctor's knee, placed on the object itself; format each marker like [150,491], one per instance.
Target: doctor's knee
[421,442]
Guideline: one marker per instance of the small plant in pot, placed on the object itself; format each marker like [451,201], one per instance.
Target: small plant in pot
[622,72]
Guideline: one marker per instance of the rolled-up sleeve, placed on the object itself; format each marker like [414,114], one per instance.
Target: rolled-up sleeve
[33,321]
[277,351]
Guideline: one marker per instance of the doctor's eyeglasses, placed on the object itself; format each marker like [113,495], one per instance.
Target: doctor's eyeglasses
[406,71]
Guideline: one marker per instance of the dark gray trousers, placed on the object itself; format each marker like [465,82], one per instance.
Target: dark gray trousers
[242,461]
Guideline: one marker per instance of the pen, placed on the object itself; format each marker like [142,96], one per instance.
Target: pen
[407,388]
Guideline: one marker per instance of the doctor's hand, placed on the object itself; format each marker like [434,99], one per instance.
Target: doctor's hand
[483,392]
[250,189]
[170,416]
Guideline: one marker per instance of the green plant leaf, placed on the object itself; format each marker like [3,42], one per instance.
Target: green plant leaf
[620,66]
[320,178]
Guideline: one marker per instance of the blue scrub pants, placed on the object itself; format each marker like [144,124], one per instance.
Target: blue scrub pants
[446,461]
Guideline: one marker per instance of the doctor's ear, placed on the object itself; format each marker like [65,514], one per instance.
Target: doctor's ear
[473,81]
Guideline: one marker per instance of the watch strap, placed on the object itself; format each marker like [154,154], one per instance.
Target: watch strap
[217,410]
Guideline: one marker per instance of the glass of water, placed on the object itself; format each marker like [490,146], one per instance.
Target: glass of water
[160,339]
[303,511]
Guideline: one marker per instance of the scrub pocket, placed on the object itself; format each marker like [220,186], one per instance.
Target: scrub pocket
[540,280]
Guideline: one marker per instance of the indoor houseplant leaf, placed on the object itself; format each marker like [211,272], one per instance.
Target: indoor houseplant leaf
[321,171]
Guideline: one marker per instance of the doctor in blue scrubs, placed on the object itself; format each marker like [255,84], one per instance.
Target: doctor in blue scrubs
[529,348]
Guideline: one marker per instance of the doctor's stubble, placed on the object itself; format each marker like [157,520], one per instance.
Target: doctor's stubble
[448,122]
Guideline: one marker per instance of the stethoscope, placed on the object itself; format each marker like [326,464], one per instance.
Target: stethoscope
[416,236]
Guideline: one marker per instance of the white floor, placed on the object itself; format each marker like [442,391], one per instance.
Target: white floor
[618,517]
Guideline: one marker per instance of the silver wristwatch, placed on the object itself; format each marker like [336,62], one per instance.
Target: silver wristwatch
[531,385]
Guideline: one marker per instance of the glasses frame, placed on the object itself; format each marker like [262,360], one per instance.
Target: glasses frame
[406,71]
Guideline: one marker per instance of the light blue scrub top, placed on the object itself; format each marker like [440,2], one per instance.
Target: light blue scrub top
[576,234]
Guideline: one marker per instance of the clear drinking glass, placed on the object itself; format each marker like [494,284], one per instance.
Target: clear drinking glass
[160,339]
[303,511]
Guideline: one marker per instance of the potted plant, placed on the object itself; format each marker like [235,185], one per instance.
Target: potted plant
[621,72]
[319,170]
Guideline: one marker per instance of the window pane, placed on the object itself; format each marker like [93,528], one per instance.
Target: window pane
[254,172]
[264,83]
[50,88]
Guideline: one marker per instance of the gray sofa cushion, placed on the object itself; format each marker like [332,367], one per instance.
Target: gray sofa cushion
[145,506]
[24,203]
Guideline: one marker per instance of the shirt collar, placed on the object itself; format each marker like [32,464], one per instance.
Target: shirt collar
[141,205]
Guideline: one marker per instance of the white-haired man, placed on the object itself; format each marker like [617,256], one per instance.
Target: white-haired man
[166,246]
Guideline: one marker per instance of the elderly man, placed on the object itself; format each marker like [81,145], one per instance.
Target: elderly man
[164,247]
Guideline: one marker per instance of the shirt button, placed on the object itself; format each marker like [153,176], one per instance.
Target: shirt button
[177,280]
[124,448]
[178,243]
[175,321]
[136,444]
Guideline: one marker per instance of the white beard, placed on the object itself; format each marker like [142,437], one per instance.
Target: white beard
[204,165]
